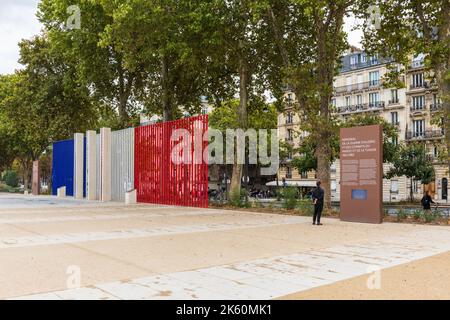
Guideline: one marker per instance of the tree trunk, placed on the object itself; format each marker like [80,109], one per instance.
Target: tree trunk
[242,123]
[411,193]
[123,114]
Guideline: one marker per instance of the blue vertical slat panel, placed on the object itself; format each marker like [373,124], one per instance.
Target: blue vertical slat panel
[63,166]
[122,163]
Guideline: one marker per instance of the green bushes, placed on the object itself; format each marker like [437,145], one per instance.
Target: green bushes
[290,198]
[240,200]
[402,214]
[306,208]
[11,179]
[417,215]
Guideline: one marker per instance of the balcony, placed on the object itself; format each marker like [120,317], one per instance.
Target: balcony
[375,84]
[424,135]
[394,101]
[435,107]
[290,140]
[423,85]
[361,65]
[374,106]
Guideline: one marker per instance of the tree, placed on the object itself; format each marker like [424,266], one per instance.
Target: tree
[310,40]
[402,29]
[307,161]
[100,65]
[412,161]
[6,154]
[166,44]
[235,39]
[42,103]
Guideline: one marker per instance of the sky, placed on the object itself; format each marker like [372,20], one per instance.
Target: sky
[18,21]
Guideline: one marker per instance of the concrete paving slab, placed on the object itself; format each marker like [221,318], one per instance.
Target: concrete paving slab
[163,252]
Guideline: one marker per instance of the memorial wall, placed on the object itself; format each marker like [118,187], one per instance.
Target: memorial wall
[361,174]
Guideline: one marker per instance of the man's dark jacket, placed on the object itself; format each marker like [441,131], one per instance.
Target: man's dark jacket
[318,194]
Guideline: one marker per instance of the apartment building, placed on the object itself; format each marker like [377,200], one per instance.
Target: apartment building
[358,89]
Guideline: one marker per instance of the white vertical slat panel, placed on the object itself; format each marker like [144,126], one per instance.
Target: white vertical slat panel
[98,169]
[122,163]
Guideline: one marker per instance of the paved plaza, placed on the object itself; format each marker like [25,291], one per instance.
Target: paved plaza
[113,251]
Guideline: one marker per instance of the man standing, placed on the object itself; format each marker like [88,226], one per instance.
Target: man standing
[426,202]
[317,198]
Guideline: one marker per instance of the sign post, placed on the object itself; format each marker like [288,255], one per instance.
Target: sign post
[362,174]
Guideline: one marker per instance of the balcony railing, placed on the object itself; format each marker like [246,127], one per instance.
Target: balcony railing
[394,101]
[289,139]
[435,107]
[360,65]
[358,86]
[417,108]
[423,135]
[423,85]
[362,107]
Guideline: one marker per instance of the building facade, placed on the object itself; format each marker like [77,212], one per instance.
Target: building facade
[358,89]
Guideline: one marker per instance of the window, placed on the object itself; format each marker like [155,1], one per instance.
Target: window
[374,99]
[304,174]
[359,100]
[289,118]
[394,118]
[374,78]
[289,135]
[348,83]
[363,58]
[374,59]
[394,186]
[360,81]
[347,101]
[419,128]
[333,185]
[333,102]
[435,151]
[289,156]
[415,186]
[394,96]
[288,173]
[395,141]
[418,102]
[417,80]
[353,60]
[436,99]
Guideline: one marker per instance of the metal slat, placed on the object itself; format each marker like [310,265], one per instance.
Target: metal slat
[122,163]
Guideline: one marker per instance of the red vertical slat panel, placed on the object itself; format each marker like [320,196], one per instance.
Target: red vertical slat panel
[159,180]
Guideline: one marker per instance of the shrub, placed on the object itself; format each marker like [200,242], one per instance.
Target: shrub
[417,215]
[306,207]
[11,179]
[239,200]
[290,198]
[429,217]
[402,214]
